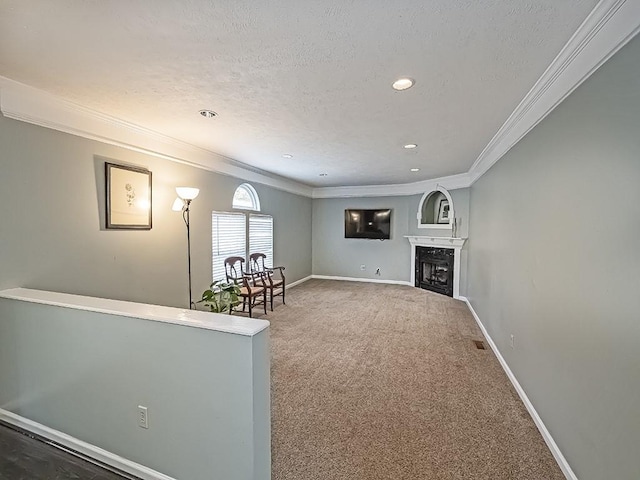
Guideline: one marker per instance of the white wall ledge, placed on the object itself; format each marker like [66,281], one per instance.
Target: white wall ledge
[433,241]
[177,316]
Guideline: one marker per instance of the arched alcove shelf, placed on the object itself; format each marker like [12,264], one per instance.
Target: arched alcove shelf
[436,209]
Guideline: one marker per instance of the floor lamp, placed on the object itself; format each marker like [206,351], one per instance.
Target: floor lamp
[183,202]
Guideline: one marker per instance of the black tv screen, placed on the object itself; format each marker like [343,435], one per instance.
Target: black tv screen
[367,223]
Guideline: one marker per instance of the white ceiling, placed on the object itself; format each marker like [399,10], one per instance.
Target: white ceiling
[308,78]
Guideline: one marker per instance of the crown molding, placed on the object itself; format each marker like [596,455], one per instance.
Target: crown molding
[27,104]
[452,182]
[609,26]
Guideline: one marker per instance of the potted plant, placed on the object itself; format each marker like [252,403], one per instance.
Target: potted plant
[221,297]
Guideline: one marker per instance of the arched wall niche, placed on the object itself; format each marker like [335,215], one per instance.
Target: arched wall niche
[436,209]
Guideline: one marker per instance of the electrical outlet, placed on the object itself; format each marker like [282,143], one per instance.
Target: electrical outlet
[143,417]
[378,271]
[363,267]
[512,341]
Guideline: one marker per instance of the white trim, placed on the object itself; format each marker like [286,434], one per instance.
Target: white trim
[452,182]
[435,226]
[609,26]
[433,241]
[452,213]
[441,242]
[255,199]
[27,104]
[298,282]
[143,311]
[555,450]
[84,448]
[360,279]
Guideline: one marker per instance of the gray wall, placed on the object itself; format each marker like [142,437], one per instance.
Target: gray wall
[84,374]
[52,221]
[554,260]
[335,255]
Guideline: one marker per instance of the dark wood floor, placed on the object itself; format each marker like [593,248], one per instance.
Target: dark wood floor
[26,458]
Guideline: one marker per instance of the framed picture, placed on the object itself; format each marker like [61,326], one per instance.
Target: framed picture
[128,197]
[443,211]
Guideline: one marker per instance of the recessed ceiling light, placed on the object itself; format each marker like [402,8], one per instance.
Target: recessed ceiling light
[323,174]
[287,155]
[403,84]
[415,169]
[409,146]
[208,113]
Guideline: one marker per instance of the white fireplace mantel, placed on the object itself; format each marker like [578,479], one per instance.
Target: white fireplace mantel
[441,242]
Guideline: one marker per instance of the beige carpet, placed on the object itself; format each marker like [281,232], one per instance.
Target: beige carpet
[375,381]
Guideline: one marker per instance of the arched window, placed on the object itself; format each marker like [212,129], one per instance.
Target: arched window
[246,198]
[231,230]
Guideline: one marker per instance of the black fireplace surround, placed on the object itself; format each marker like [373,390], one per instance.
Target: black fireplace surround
[434,269]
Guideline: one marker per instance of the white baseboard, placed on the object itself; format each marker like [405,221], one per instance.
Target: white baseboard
[358,279]
[84,448]
[555,450]
[298,282]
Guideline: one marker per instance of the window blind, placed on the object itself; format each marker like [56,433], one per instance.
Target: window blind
[261,236]
[229,239]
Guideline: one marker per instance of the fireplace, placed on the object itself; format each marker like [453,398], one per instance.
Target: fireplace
[441,272]
[434,269]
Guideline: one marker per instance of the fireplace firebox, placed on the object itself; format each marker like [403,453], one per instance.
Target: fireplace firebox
[434,269]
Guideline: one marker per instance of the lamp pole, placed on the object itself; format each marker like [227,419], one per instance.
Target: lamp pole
[183,202]
[185,217]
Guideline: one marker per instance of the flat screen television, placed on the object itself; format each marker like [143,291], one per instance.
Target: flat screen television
[367,223]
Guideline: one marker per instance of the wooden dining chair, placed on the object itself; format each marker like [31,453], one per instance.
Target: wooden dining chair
[253,289]
[274,280]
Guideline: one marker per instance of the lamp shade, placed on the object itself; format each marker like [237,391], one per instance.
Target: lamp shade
[178,203]
[187,193]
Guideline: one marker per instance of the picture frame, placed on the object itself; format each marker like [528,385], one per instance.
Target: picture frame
[443,211]
[128,197]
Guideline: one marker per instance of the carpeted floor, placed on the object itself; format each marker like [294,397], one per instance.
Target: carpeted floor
[375,381]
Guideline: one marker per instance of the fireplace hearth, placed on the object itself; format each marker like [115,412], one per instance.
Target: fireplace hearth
[434,269]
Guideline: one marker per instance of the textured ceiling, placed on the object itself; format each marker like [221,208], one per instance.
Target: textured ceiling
[307,78]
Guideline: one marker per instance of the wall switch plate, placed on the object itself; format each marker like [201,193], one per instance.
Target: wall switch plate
[143,417]
[512,341]
[363,267]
